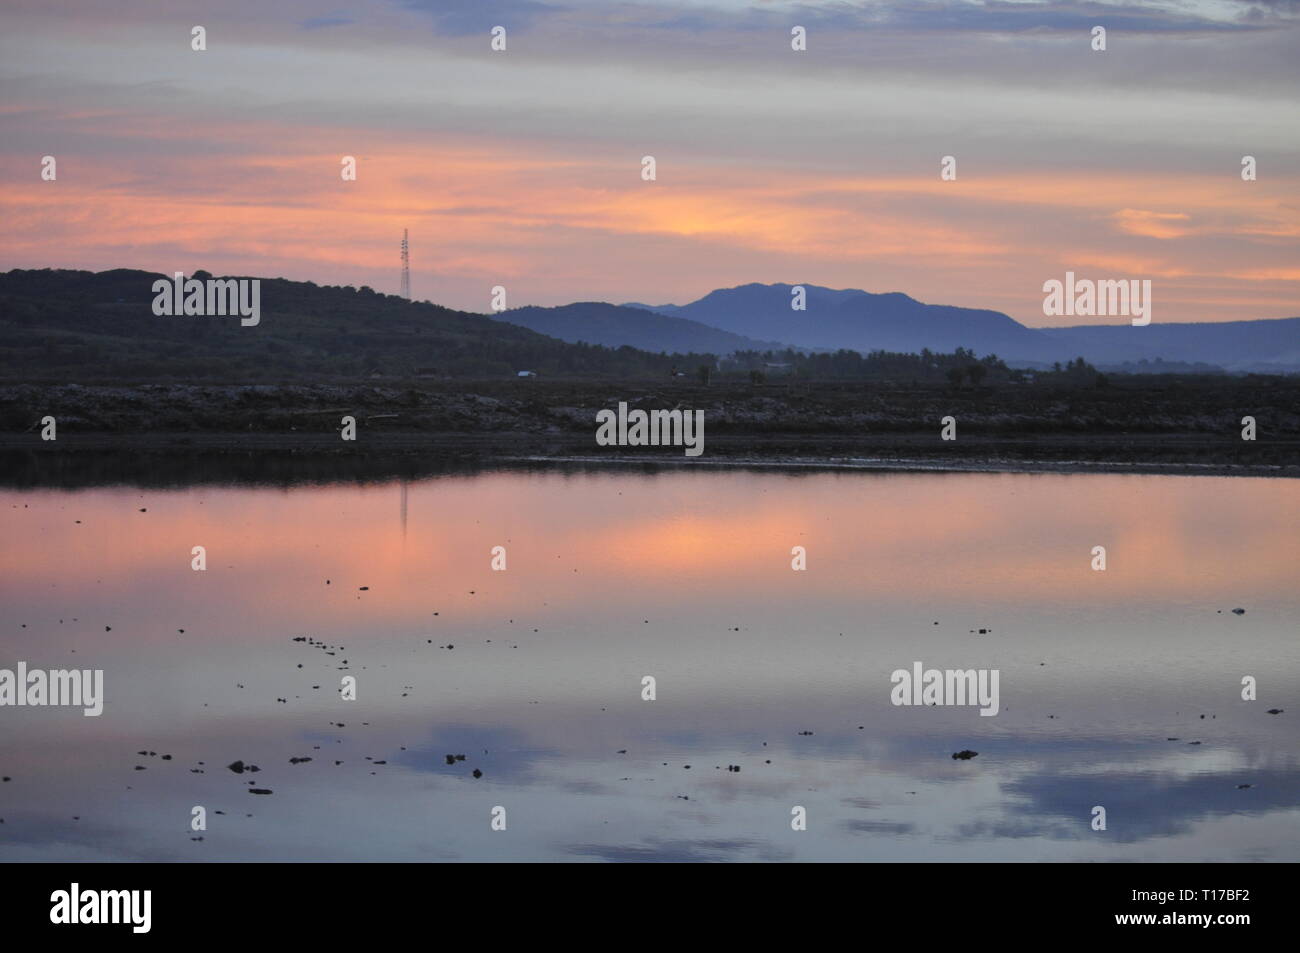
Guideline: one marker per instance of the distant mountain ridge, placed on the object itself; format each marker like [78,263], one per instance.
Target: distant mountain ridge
[611,325]
[75,324]
[863,321]
[1232,345]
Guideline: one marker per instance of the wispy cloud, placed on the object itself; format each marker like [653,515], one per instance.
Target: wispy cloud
[522,168]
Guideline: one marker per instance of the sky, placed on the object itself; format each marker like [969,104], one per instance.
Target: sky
[522,168]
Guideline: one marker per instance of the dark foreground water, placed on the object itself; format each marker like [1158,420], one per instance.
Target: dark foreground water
[1118,689]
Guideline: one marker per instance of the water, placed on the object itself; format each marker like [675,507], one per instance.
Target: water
[684,576]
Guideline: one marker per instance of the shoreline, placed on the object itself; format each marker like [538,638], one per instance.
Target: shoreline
[284,432]
[932,466]
[96,458]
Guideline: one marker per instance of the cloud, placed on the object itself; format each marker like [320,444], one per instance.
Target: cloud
[522,169]
[1151,224]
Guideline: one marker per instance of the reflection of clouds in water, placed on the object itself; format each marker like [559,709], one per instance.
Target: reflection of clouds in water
[667,530]
[1027,789]
[43,837]
[654,850]
[584,787]
[1042,796]
[545,722]
[500,752]
[1140,804]
[878,827]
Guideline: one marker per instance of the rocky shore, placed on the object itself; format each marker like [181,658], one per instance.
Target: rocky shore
[1168,426]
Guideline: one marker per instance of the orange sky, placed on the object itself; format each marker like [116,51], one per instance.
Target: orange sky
[523,170]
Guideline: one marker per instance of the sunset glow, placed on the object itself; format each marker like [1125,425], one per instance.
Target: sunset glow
[523,169]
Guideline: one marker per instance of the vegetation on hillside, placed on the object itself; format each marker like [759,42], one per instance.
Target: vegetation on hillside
[78,325]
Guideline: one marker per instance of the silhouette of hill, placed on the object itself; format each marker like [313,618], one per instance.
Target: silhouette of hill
[1261,346]
[863,321]
[613,325]
[57,324]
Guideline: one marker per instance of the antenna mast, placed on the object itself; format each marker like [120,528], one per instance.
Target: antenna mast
[406,267]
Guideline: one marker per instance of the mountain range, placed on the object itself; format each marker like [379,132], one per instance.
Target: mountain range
[75,323]
[862,321]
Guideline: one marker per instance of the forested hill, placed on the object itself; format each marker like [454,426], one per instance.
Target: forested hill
[87,326]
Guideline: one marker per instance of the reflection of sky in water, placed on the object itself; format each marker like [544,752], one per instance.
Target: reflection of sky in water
[624,575]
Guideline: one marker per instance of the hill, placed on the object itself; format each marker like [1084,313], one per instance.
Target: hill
[862,321]
[616,326]
[57,324]
[1261,346]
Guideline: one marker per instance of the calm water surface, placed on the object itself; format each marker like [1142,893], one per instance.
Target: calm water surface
[534,674]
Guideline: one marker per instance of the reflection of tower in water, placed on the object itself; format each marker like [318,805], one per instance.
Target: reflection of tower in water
[404,485]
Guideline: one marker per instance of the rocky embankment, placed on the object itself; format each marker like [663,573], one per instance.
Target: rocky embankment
[1161,424]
